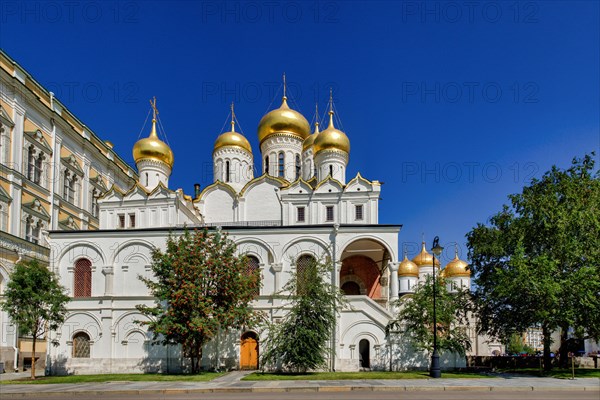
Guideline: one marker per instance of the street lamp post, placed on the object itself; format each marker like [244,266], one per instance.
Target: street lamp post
[435,371]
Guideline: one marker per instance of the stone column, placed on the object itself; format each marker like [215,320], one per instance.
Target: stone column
[108,272]
[277,268]
[393,281]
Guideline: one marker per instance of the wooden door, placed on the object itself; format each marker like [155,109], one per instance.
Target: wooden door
[249,351]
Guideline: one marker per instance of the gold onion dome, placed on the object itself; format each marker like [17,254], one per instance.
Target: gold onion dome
[424,258]
[331,139]
[456,268]
[408,268]
[309,141]
[283,120]
[232,138]
[152,148]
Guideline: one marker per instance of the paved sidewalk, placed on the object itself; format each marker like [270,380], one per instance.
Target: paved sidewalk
[232,383]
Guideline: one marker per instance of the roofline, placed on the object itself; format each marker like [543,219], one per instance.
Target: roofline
[65,109]
[229,228]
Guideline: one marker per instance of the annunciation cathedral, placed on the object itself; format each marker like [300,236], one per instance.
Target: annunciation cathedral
[95,222]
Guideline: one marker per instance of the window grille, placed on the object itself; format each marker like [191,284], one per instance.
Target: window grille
[329,214]
[81,345]
[82,285]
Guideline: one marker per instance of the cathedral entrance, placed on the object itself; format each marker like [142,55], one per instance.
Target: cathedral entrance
[364,269]
[364,353]
[249,351]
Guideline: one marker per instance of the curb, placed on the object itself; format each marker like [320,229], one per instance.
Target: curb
[307,389]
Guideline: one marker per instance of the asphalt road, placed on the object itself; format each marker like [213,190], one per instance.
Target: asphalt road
[353,395]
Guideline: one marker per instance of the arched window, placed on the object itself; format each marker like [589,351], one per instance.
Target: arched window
[306,268]
[331,171]
[82,282]
[81,345]
[227,172]
[267,165]
[298,166]
[253,265]
[281,165]
[146,179]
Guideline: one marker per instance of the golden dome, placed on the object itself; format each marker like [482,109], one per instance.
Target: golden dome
[232,138]
[424,258]
[283,120]
[309,141]
[457,267]
[152,148]
[331,139]
[408,268]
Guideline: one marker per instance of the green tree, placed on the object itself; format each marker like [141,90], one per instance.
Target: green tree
[201,287]
[537,262]
[415,318]
[301,342]
[35,302]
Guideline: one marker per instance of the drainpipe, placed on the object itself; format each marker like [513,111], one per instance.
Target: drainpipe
[16,343]
[334,285]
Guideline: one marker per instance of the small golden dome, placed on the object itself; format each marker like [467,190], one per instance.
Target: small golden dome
[424,258]
[309,141]
[331,139]
[408,268]
[232,138]
[283,120]
[456,268]
[152,148]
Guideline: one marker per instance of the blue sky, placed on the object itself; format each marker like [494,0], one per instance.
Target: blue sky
[454,105]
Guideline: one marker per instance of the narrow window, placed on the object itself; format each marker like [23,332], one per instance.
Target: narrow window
[66,185]
[305,267]
[227,172]
[71,195]
[30,163]
[82,284]
[81,345]
[267,165]
[358,212]
[4,217]
[329,214]
[253,265]
[121,221]
[95,207]
[132,220]
[146,179]
[35,233]
[331,171]
[300,214]
[298,166]
[37,173]
[281,165]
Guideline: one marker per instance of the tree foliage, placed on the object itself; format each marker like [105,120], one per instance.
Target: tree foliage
[201,287]
[537,262]
[415,318]
[35,301]
[301,341]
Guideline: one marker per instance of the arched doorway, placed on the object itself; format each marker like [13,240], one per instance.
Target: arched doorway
[364,353]
[351,288]
[249,351]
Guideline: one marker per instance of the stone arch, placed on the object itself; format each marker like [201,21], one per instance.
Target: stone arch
[82,321]
[354,279]
[253,245]
[82,249]
[294,248]
[373,238]
[130,244]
